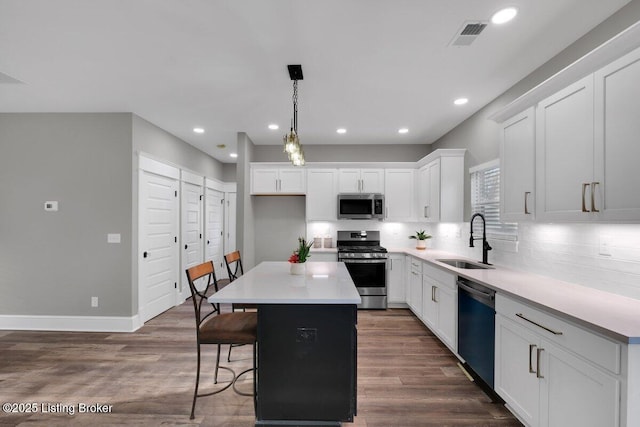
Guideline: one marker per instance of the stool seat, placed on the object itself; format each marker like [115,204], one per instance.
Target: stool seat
[230,328]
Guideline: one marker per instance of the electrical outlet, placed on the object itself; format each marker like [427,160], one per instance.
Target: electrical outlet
[306,335]
[605,248]
[94,301]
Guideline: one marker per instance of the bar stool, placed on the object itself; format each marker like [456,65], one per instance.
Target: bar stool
[213,327]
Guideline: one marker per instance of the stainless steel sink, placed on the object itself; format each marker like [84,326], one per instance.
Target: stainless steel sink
[460,263]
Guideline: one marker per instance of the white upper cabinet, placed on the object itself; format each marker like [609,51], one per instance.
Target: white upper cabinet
[399,194]
[322,194]
[564,155]
[361,181]
[441,187]
[429,192]
[617,149]
[517,162]
[278,180]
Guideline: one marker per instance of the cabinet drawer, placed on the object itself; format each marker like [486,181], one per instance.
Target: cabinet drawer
[439,275]
[415,265]
[586,344]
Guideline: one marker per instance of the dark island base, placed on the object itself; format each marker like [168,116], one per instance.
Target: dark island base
[306,364]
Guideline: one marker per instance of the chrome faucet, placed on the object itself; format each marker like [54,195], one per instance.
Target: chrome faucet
[485,245]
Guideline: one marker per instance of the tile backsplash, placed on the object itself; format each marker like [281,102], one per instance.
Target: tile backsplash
[602,256]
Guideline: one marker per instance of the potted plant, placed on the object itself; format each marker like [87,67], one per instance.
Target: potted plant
[300,256]
[421,238]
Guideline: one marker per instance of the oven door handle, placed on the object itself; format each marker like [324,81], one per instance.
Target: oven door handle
[364,261]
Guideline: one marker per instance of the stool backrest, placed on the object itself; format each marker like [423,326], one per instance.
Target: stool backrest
[199,275]
[234,265]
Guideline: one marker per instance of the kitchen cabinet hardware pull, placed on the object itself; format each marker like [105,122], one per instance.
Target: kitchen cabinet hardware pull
[584,189]
[593,198]
[520,315]
[425,212]
[526,208]
[538,352]
[433,293]
[531,347]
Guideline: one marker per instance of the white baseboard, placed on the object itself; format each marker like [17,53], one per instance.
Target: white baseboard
[70,323]
[397,305]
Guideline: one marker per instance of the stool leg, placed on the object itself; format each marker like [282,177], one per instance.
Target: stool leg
[215,379]
[229,355]
[195,393]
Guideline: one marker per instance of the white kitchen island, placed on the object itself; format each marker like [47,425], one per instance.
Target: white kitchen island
[307,341]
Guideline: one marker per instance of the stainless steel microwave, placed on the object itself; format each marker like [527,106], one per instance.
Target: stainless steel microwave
[360,206]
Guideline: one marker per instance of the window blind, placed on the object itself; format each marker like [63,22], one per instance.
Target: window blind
[485,199]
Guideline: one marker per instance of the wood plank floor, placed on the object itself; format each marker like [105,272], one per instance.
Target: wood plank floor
[406,377]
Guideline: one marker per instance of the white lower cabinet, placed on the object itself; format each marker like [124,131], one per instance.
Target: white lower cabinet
[440,304]
[395,279]
[414,298]
[554,374]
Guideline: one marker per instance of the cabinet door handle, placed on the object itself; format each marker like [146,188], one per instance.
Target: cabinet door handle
[593,198]
[584,189]
[425,212]
[538,353]
[433,294]
[520,315]
[526,208]
[531,347]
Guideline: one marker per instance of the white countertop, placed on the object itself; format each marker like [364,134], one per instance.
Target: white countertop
[271,283]
[610,314]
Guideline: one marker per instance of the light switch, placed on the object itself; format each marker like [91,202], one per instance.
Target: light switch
[113,238]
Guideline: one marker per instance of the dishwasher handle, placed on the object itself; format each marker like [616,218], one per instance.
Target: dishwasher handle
[487,297]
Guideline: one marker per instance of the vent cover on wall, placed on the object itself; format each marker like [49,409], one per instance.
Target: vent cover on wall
[467,34]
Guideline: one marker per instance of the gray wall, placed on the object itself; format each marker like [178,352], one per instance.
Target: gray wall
[479,135]
[150,139]
[347,153]
[51,263]
[245,232]
[279,221]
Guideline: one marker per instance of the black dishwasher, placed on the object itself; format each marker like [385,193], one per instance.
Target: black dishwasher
[476,328]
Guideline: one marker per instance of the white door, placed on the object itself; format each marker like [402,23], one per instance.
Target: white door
[230,223]
[292,181]
[322,191]
[574,393]
[515,369]
[264,181]
[372,180]
[517,154]
[158,244]
[349,181]
[617,95]
[448,316]
[399,194]
[214,230]
[192,248]
[564,153]
[430,302]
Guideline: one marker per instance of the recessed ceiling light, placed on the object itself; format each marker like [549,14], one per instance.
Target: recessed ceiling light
[341,130]
[273,126]
[403,130]
[461,101]
[234,155]
[198,130]
[504,15]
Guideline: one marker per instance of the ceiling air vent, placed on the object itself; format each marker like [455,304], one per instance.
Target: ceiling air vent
[467,34]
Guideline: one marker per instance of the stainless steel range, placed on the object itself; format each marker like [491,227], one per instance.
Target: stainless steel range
[366,262]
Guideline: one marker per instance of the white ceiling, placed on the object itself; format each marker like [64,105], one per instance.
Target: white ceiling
[371,66]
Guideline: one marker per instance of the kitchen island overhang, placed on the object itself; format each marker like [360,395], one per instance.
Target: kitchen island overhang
[307,341]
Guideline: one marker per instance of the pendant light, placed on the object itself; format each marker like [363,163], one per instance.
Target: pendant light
[291,140]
